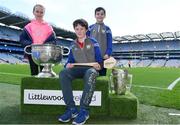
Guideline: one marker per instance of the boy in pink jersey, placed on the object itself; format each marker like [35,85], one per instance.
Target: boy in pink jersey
[37,32]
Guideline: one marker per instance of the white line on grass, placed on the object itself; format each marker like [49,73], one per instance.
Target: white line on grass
[171,86]
[14,74]
[149,87]
[174,114]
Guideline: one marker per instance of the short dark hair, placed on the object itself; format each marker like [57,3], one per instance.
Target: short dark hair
[99,9]
[81,22]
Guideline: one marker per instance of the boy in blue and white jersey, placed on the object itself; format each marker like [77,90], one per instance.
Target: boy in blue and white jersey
[83,50]
[102,33]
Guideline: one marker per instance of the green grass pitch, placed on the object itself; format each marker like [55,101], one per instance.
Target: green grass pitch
[159,78]
[149,85]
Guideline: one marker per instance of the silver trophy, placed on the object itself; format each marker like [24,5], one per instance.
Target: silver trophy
[47,55]
[120,81]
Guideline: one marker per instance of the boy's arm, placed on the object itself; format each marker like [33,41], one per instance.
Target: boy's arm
[98,56]
[70,59]
[97,51]
[88,33]
[109,42]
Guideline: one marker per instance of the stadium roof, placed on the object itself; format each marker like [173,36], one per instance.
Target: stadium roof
[148,37]
[20,20]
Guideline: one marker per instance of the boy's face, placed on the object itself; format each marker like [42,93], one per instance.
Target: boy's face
[39,12]
[80,31]
[100,15]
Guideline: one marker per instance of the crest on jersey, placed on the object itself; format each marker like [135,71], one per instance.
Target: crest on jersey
[103,31]
[88,46]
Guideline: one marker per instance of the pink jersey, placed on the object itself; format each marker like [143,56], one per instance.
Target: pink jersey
[39,31]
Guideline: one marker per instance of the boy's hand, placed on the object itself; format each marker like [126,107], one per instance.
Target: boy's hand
[97,66]
[69,65]
[106,56]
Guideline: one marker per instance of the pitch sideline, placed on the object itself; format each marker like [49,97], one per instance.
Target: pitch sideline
[171,86]
[13,74]
[152,87]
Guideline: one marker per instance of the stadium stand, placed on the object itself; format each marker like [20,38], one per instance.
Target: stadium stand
[173,63]
[143,50]
[11,25]
[154,50]
[144,63]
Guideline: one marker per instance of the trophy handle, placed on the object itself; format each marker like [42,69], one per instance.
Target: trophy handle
[26,49]
[63,52]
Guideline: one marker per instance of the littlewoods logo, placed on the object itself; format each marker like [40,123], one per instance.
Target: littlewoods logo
[46,97]
[55,97]
[43,97]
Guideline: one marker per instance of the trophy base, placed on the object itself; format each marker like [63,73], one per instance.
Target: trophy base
[46,75]
[47,71]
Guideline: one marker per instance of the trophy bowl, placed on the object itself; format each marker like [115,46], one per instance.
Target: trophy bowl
[46,55]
